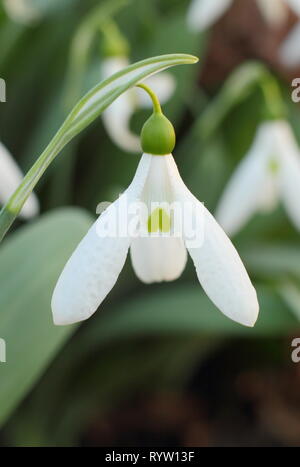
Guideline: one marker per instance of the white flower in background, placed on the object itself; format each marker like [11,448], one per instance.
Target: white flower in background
[268,173]
[204,13]
[290,50]
[10,178]
[157,255]
[116,117]
[21,11]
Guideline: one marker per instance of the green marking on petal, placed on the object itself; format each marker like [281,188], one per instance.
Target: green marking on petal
[273,166]
[159,220]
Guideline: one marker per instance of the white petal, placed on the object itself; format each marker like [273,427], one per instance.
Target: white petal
[219,267]
[203,13]
[21,11]
[157,259]
[289,51]
[270,194]
[158,256]
[275,12]
[10,178]
[162,84]
[112,65]
[95,265]
[116,117]
[295,6]
[289,171]
[244,193]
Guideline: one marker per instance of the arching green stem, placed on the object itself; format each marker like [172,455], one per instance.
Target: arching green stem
[153,96]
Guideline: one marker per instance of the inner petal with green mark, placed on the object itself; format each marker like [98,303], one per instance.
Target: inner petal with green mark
[159,220]
[273,166]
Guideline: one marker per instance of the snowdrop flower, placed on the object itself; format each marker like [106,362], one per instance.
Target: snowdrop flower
[204,13]
[268,173]
[21,11]
[116,117]
[289,51]
[95,265]
[10,178]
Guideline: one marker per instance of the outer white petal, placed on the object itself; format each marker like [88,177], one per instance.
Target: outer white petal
[157,259]
[219,267]
[21,11]
[245,192]
[275,12]
[295,6]
[290,51]
[289,171]
[163,85]
[203,13]
[116,117]
[10,178]
[95,265]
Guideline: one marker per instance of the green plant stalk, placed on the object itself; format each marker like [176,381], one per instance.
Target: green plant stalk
[236,89]
[84,113]
[82,42]
[153,96]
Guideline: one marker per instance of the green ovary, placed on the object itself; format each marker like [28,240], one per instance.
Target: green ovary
[159,220]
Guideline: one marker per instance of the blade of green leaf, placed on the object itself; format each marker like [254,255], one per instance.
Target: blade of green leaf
[237,87]
[186,309]
[84,113]
[30,262]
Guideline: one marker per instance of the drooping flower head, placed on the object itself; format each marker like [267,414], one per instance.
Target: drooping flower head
[117,116]
[269,173]
[159,220]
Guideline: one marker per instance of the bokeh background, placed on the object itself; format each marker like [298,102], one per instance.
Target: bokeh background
[157,365]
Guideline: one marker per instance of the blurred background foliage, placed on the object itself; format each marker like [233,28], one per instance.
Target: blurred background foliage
[158,364]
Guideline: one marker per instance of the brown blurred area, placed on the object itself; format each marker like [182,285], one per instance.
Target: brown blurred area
[228,402]
[243,34]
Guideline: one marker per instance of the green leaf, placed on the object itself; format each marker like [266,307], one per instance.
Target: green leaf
[30,262]
[185,309]
[272,261]
[237,87]
[84,113]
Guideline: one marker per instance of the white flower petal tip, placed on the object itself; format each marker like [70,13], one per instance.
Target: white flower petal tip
[10,178]
[289,52]
[31,208]
[88,277]
[295,6]
[223,276]
[275,12]
[158,259]
[116,118]
[21,11]
[204,13]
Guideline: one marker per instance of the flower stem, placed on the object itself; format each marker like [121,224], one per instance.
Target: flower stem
[153,96]
[275,107]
